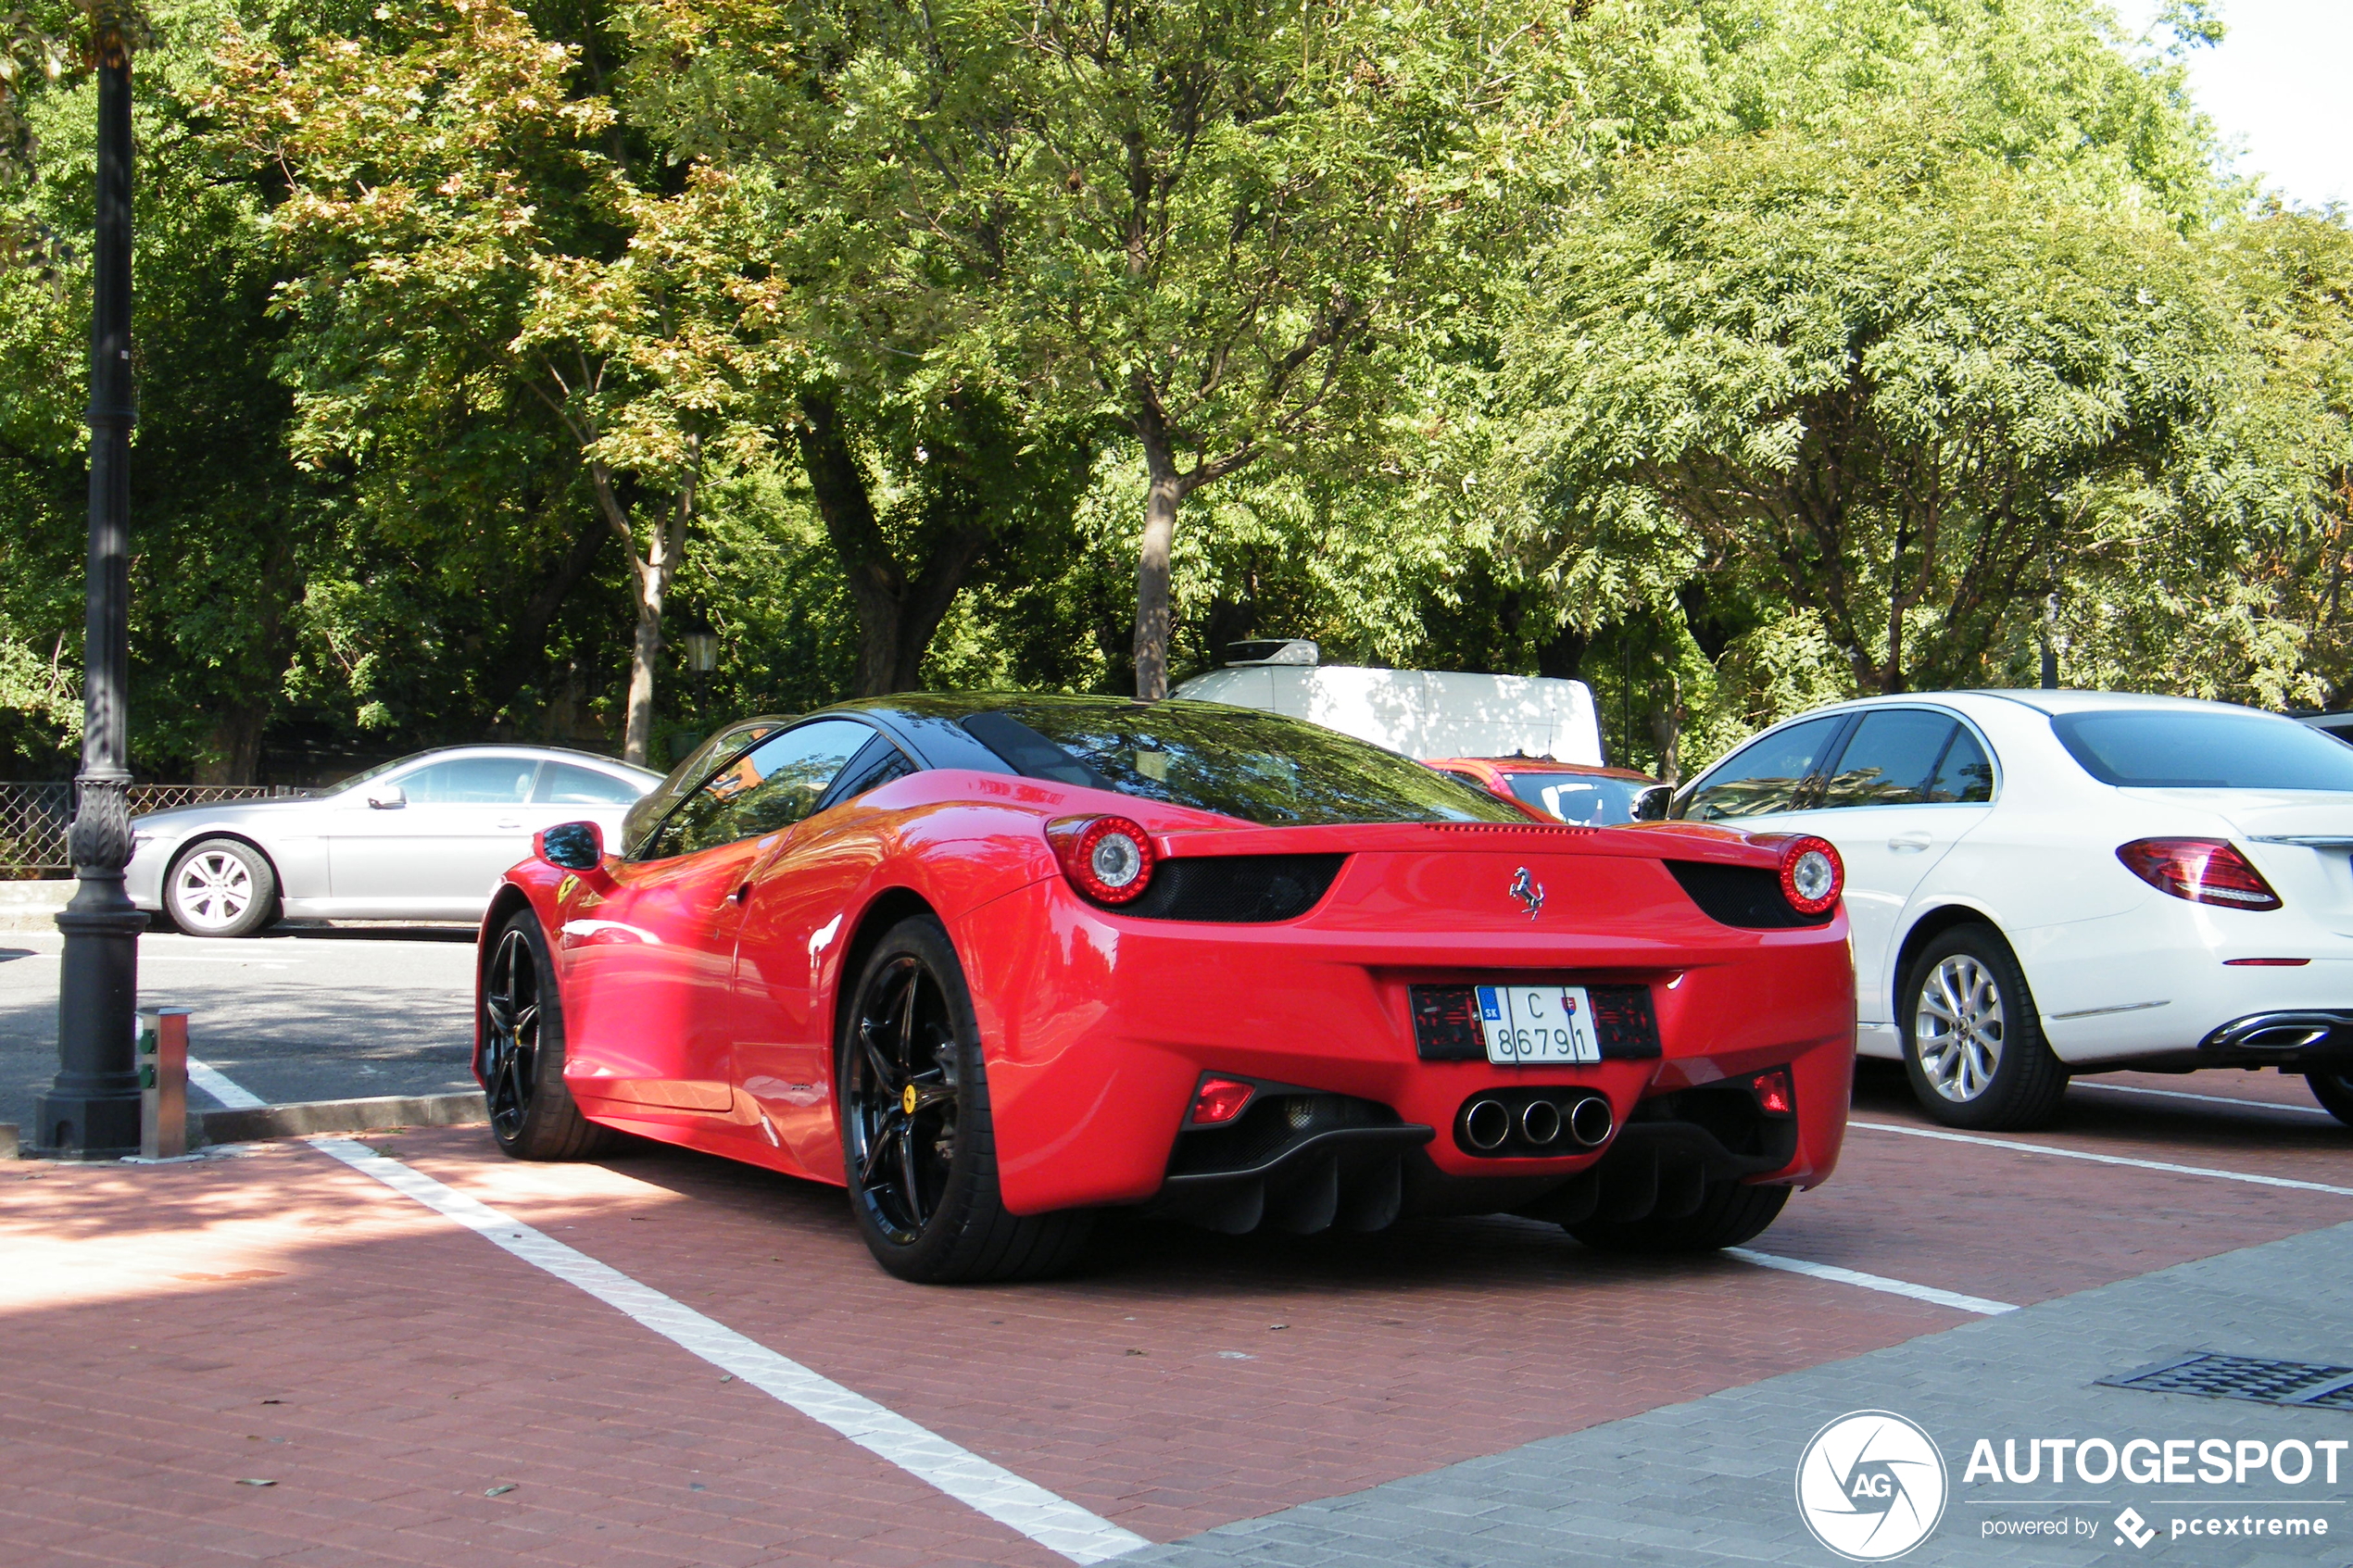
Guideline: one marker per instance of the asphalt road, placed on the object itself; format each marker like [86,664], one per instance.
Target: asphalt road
[315,1013]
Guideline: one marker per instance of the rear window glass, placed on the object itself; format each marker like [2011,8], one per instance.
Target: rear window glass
[2157,748]
[1584,798]
[561,784]
[1259,767]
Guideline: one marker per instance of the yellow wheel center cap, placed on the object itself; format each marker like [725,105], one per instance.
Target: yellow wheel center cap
[907,1100]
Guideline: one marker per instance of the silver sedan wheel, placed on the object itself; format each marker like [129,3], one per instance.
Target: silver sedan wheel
[1959,1027]
[212,891]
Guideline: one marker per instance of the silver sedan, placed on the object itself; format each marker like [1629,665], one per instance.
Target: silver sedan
[421,839]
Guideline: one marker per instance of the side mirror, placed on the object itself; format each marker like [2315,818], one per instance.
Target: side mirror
[1650,805]
[574,846]
[387,797]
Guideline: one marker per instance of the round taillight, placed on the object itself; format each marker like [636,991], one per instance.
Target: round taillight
[1812,875]
[1108,859]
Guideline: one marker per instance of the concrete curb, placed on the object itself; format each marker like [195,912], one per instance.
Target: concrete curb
[33,905]
[301,1118]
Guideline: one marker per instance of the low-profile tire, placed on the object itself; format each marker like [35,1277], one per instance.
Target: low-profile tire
[221,887]
[2335,1091]
[531,1114]
[1973,1042]
[918,1148]
[1728,1215]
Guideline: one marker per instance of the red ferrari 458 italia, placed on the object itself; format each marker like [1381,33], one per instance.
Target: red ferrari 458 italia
[999,963]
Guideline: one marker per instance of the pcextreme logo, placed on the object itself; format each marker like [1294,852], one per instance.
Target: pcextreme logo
[1871,1486]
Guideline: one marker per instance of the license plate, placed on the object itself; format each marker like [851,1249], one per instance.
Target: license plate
[1531,1026]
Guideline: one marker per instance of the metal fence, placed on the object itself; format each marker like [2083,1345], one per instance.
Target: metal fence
[35,817]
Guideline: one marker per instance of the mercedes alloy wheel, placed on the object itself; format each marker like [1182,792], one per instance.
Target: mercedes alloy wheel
[1973,1044]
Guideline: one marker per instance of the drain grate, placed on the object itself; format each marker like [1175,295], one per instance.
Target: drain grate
[2245,1377]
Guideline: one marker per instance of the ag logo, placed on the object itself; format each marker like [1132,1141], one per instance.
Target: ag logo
[1871,1486]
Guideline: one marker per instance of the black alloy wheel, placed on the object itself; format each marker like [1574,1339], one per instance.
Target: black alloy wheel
[532,1115]
[917,1145]
[900,1097]
[2335,1091]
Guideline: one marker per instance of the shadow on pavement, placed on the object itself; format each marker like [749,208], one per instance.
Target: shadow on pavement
[389,931]
[2163,1128]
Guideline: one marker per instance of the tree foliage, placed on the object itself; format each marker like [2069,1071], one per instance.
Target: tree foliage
[1732,356]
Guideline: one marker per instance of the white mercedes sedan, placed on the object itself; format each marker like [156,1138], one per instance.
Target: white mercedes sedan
[422,838]
[2046,883]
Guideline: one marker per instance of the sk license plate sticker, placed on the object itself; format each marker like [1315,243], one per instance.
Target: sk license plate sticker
[1531,1024]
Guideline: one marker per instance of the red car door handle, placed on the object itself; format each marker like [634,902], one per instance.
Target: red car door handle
[742,894]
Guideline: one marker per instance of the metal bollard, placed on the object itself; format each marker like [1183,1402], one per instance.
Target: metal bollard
[163,1083]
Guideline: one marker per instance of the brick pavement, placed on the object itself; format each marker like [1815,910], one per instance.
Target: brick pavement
[418,1368]
[281,1319]
[1153,1390]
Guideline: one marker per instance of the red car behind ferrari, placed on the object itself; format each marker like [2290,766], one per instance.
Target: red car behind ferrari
[999,963]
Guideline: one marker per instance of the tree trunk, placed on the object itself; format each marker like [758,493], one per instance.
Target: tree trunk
[236,741]
[1560,657]
[644,650]
[1667,729]
[1160,501]
[845,500]
[955,550]
[235,744]
[898,614]
[649,578]
[528,642]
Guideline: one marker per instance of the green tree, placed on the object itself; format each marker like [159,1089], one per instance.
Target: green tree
[1217,229]
[1887,379]
[478,241]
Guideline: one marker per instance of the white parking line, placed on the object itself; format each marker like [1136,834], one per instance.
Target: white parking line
[1952,1298]
[2105,1158]
[232,1094]
[2208,1100]
[1052,1521]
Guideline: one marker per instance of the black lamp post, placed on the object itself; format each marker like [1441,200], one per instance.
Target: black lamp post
[91,1108]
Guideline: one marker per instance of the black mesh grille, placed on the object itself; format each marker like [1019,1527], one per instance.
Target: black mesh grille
[1446,1022]
[1749,895]
[1236,889]
[2245,1377]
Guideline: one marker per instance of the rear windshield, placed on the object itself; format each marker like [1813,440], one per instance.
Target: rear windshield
[1259,767]
[1591,799]
[2146,748]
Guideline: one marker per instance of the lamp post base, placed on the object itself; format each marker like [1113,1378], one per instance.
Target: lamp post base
[91,1111]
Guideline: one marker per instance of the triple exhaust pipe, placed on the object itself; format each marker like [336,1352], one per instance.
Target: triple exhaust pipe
[1583,1119]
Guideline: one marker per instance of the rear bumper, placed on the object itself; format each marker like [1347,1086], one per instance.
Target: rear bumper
[1100,1028]
[2180,983]
[2294,1040]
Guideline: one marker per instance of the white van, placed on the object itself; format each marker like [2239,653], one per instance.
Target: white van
[1423,713]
